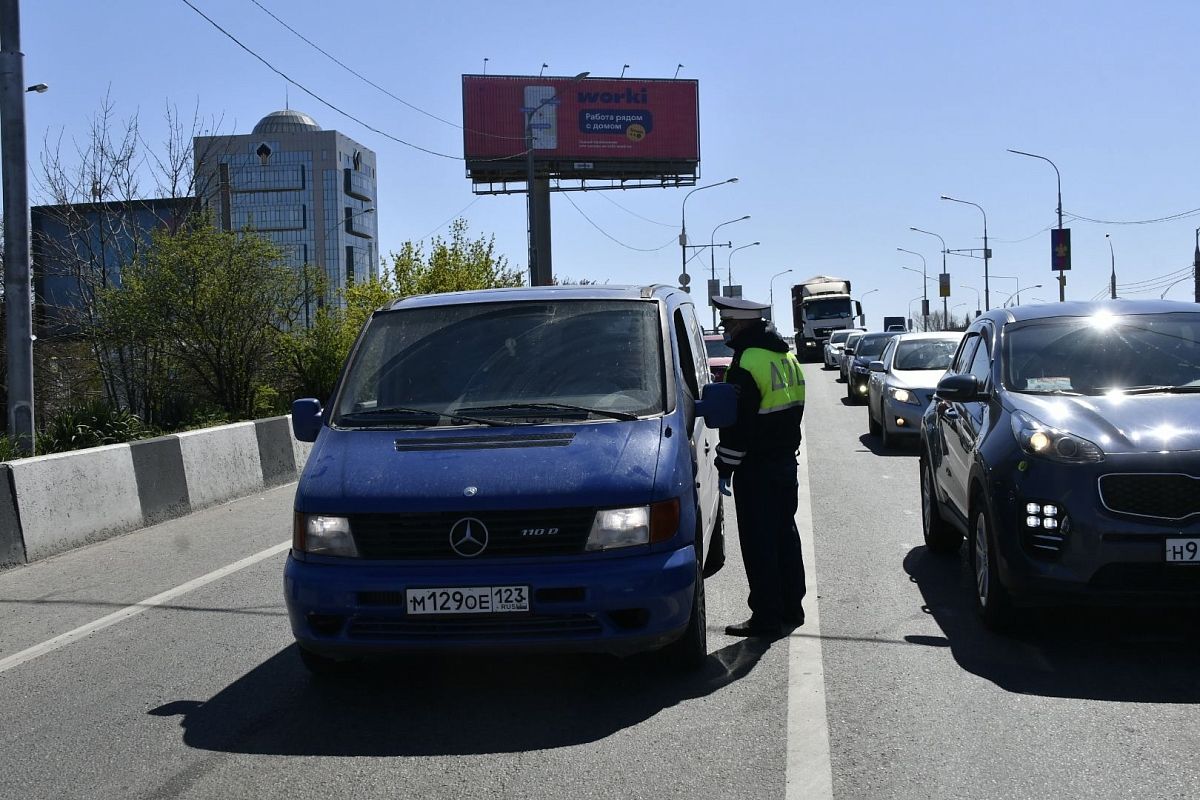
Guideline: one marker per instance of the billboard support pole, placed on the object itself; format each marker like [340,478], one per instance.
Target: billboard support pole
[540,208]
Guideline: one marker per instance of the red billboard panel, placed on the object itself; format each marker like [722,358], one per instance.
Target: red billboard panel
[591,128]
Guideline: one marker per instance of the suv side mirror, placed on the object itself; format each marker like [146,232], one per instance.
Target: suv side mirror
[306,419]
[876,366]
[718,405]
[959,388]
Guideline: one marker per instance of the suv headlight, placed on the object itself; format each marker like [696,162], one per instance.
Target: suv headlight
[323,536]
[1038,439]
[904,396]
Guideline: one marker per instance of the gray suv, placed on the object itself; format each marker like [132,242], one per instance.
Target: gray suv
[1063,442]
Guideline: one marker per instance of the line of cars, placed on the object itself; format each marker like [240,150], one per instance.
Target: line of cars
[1062,442]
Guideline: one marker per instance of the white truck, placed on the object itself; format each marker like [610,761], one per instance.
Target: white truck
[821,305]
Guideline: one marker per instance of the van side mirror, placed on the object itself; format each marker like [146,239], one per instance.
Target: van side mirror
[306,419]
[876,366]
[718,405]
[959,388]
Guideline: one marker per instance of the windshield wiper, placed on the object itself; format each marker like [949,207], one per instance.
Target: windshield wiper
[1186,388]
[561,406]
[424,412]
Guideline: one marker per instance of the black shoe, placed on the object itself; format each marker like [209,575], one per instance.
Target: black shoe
[753,627]
[794,620]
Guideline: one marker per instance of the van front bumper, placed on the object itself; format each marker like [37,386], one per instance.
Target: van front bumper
[620,606]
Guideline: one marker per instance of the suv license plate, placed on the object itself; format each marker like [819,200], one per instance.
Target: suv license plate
[1183,551]
[468,600]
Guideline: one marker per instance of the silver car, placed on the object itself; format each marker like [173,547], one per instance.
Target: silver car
[833,348]
[902,382]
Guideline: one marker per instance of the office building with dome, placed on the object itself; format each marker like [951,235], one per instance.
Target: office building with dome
[310,191]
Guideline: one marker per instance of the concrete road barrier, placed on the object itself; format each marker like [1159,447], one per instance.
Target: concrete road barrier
[53,503]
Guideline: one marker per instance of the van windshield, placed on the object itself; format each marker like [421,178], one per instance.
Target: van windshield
[517,361]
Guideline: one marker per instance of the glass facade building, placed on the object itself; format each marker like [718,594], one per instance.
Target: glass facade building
[310,191]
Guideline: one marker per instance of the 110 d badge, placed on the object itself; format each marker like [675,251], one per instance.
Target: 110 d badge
[539,531]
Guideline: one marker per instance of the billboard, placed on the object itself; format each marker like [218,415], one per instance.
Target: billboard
[610,128]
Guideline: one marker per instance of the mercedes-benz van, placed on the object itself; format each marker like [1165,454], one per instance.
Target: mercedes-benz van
[512,469]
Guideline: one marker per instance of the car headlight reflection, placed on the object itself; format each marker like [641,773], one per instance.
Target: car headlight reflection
[1038,439]
[904,396]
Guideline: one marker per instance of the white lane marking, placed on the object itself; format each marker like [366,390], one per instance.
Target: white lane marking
[62,640]
[809,772]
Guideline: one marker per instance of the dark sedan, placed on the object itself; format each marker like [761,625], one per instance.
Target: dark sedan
[858,368]
[1064,442]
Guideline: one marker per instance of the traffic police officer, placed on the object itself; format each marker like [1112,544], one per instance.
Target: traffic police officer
[759,454]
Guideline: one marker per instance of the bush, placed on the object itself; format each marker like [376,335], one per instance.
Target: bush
[92,425]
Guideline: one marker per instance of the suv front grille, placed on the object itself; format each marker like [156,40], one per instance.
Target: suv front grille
[1166,496]
[510,534]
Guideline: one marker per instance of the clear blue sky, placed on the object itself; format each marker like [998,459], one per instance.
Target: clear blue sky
[844,122]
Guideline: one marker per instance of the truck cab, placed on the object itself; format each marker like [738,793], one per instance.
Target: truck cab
[820,306]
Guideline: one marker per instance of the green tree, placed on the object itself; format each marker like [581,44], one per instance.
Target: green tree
[216,303]
[453,265]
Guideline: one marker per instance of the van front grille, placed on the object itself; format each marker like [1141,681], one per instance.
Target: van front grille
[510,534]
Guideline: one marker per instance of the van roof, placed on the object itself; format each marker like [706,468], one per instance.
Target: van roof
[533,293]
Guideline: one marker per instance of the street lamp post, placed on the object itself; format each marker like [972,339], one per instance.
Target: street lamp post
[976,291]
[729,262]
[1062,275]
[683,245]
[1017,294]
[712,261]
[771,301]
[1113,262]
[18,289]
[862,297]
[925,279]
[1196,266]
[924,288]
[538,200]
[987,253]
[945,311]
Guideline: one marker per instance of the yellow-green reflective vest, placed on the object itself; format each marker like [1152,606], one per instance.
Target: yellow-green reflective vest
[778,376]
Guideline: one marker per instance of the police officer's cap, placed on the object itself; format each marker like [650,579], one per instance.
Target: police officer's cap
[738,308]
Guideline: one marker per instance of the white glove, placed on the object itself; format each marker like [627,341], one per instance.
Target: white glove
[723,485]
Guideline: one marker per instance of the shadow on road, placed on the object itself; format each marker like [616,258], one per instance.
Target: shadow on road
[903,446]
[1140,656]
[448,705]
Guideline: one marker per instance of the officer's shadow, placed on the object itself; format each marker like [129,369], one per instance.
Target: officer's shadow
[448,705]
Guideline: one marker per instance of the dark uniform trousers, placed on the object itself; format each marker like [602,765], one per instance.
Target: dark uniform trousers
[765,490]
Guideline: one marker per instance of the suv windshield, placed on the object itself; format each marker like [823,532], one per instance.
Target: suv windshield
[872,345]
[448,364]
[924,354]
[1103,353]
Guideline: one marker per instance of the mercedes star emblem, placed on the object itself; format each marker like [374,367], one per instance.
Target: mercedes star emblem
[469,537]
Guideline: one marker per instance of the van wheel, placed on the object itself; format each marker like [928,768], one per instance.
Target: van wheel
[715,559]
[320,666]
[690,651]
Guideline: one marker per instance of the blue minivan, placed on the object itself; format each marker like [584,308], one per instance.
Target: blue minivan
[512,469]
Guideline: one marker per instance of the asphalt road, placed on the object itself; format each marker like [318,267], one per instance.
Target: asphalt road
[199,693]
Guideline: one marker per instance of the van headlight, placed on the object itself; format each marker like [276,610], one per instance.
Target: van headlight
[1038,439]
[626,527]
[322,535]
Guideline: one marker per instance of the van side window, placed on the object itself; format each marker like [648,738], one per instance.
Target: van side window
[699,351]
[687,358]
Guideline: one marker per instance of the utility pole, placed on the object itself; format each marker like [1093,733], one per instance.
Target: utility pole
[1196,266]
[17,287]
